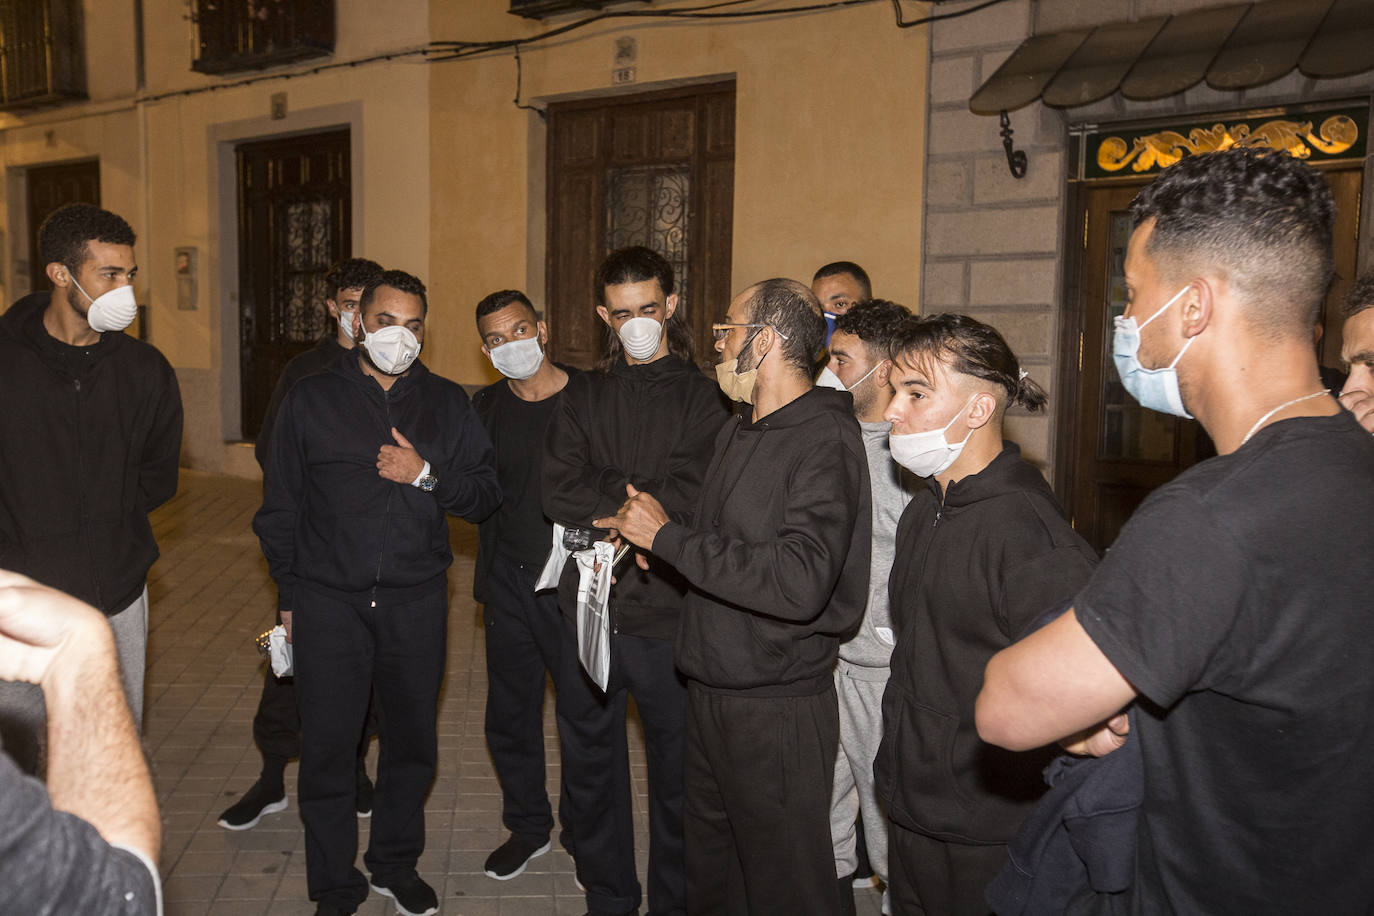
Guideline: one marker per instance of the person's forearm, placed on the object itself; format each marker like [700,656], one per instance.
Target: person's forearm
[96,768]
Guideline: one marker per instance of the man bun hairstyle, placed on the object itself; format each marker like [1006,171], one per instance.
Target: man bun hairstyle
[350,273]
[637,264]
[966,346]
[398,280]
[1361,295]
[873,322]
[498,300]
[63,236]
[791,309]
[1263,219]
[836,268]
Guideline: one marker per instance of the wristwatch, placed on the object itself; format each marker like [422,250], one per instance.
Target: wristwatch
[426,481]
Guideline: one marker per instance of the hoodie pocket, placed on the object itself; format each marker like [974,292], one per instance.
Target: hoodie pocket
[926,789]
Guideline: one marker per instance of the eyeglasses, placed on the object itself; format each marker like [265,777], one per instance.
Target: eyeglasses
[723,328]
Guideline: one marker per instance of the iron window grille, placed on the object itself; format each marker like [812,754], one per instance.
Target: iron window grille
[234,35]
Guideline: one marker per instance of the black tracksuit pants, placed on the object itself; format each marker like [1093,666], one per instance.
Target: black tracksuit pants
[524,639]
[757,816]
[930,877]
[343,649]
[596,772]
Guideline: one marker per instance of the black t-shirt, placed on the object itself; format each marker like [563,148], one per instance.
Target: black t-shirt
[516,428]
[1237,601]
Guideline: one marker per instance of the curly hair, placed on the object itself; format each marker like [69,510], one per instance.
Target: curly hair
[873,322]
[1264,219]
[64,236]
[350,273]
[398,280]
[1361,295]
[968,347]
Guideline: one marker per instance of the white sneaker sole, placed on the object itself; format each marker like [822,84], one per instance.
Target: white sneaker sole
[272,808]
[523,865]
[400,909]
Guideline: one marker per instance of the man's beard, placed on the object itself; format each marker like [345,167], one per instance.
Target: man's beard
[78,303]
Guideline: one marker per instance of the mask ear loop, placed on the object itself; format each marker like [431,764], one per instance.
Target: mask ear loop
[1164,307]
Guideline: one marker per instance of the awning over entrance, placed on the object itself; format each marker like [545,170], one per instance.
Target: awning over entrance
[1231,47]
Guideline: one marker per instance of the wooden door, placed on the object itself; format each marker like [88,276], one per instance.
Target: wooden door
[653,169]
[50,187]
[295,222]
[1117,451]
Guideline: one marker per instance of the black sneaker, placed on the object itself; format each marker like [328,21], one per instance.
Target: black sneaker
[412,895]
[364,797]
[511,857]
[325,909]
[247,811]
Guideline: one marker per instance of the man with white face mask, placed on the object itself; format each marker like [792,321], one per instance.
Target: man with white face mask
[1235,601]
[366,459]
[858,358]
[524,629]
[90,438]
[982,550]
[276,724]
[648,418]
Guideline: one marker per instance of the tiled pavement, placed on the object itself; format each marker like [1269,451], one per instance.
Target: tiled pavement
[210,595]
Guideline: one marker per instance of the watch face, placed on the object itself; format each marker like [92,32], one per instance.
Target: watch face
[428,483]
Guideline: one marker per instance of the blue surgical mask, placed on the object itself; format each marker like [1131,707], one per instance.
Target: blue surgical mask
[1155,389]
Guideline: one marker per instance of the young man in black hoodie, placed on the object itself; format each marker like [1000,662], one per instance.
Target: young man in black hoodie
[366,458]
[524,628]
[778,558]
[981,552]
[276,724]
[647,419]
[90,438]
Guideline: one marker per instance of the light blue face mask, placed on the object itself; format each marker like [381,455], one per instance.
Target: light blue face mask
[1155,389]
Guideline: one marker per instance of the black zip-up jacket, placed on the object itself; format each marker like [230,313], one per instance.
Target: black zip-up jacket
[651,425]
[971,573]
[330,520]
[778,553]
[90,439]
[316,359]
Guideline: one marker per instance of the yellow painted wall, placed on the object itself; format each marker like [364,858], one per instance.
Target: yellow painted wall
[830,124]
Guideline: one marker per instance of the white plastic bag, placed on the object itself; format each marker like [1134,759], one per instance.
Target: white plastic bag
[593,612]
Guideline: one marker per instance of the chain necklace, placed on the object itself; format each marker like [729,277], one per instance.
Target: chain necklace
[1260,421]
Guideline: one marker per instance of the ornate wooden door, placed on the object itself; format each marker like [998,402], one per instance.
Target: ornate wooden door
[295,222]
[653,169]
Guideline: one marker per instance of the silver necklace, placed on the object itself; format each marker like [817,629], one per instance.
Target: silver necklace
[1260,421]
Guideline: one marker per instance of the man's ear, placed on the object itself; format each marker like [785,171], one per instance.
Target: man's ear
[883,374]
[333,308]
[605,315]
[983,410]
[58,274]
[671,306]
[1198,305]
[542,333]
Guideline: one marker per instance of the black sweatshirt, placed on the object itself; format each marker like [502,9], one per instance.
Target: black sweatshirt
[651,425]
[90,440]
[778,552]
[316,359]
[330,520]
[970,574]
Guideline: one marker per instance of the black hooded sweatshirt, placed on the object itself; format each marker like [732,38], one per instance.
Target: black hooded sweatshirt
[90,440]
[651,425]
[972,572]
[330,520]
[778,551]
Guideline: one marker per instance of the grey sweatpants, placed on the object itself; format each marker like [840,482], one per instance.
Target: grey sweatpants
[23,715]
[860,693]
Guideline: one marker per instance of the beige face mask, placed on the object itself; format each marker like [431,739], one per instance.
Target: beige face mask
[737,386]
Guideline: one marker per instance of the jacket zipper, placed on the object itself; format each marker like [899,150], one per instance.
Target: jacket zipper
[386,513]
[81,500]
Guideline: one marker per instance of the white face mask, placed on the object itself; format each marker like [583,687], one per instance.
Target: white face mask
[518,359]
[640,337]
[346,317]
[828,379]
[928,453]
[391,349]
[113,311]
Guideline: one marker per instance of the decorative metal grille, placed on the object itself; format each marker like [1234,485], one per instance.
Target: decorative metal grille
[307,254]
[41,58]
[652,206]
[250,34]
